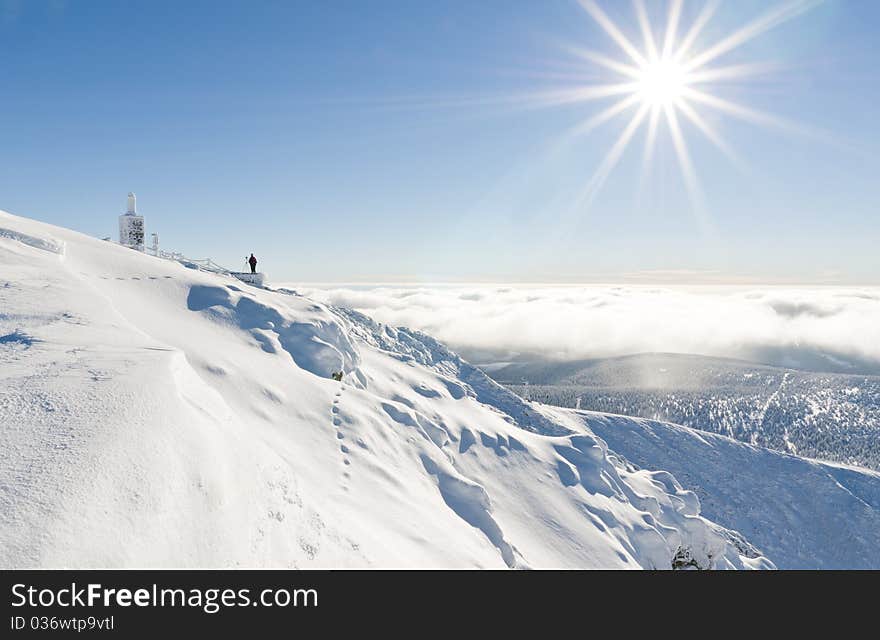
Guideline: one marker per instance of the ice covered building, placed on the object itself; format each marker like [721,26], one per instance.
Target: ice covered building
[132,233]
[131,226]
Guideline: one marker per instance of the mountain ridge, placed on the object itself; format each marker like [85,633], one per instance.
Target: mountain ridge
[156,415]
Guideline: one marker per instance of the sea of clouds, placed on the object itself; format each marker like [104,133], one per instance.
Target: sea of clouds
[824,328]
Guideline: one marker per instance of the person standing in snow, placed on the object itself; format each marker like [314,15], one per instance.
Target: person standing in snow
[253,262]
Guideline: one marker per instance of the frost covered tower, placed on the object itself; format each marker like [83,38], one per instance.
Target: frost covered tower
[131,226]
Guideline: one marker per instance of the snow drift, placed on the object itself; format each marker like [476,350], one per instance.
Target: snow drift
[803,514]
[155,415]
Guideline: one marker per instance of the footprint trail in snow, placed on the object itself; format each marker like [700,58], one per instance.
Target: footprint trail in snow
[337,425]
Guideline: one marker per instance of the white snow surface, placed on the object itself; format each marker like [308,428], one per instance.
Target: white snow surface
[153,415]
[803,514]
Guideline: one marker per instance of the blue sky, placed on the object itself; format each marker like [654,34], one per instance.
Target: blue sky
[387,141]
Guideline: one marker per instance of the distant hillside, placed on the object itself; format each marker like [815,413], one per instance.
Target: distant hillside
[828,416]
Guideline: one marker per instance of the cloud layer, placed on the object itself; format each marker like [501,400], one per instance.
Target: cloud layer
[779,325]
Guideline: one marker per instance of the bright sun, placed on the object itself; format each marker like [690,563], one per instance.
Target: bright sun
[662,83]
[668,78]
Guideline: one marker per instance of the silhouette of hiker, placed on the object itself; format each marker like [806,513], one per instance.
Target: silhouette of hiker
[253,262]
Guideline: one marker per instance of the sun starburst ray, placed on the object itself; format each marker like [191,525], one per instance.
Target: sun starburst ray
[711,134]
[612,30]
[733,72]
[650,144]
[604,116]
[692,183]
[566,96]
[742,112]
[705,15]
[604,61]
[612,157]
[647,31]
[769,20]
[671,27]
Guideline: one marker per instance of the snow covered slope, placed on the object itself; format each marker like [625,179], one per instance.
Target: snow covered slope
[154,415]
[803,514]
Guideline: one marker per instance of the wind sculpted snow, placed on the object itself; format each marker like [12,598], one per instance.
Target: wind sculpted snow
[804,514]
[163,416]
[319,346]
